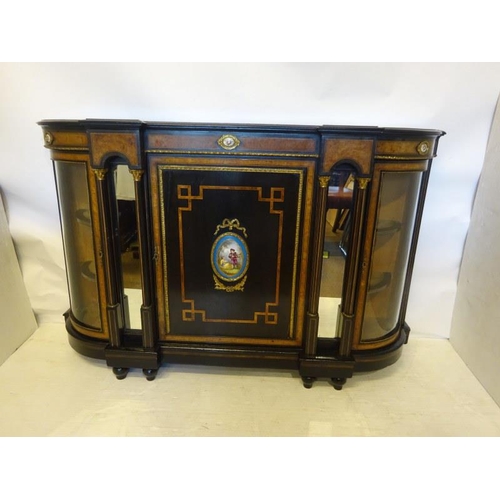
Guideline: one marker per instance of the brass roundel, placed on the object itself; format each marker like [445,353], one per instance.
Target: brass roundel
[228,142]
[423,148]
[48,138]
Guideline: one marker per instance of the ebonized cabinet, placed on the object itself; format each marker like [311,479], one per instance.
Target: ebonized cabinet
[251,245]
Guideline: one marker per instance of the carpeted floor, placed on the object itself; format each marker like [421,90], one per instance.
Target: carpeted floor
[47,389]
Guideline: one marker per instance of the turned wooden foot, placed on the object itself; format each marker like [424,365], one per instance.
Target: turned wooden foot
[308,382]
[338,383]
[150,373]
[120,373]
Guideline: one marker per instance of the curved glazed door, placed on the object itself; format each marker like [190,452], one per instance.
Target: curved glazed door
[78,238]
[390,233]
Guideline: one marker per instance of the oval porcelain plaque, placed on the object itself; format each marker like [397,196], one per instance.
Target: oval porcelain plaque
[230,257]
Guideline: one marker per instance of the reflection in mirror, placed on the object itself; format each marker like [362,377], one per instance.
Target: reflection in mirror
[129,246]
[338,215]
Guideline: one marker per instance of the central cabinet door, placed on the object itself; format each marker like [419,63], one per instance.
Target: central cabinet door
[232,246]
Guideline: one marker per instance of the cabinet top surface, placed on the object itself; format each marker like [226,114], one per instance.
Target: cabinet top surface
[98,124]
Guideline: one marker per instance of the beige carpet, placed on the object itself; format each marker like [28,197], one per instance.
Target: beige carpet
[47,389]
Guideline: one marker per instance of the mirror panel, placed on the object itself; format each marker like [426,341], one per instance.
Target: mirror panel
[128,238]
[339,211]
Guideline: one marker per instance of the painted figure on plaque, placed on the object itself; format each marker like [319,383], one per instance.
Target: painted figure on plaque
[230,257]
[233,257]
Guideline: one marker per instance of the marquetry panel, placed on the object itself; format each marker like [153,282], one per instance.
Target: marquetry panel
[357,151]
[106,144]
[65,140]
[405,149]
[241,143]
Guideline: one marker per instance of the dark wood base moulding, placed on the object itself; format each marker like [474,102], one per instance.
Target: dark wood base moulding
[332,367]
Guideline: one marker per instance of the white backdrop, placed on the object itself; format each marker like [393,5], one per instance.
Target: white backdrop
[457,98]
[474,328]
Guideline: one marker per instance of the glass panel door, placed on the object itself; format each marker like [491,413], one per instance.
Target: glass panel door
[393,235]
[76,224]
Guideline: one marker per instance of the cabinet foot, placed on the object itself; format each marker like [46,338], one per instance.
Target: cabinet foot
[150,373]
[120,373]
[308,382]
[338,383]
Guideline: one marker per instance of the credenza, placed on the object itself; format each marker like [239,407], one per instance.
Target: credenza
[271,246]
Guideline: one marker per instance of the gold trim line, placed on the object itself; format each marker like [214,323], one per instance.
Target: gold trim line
[161,167]
[215,153]
[66,148]
[403,158]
